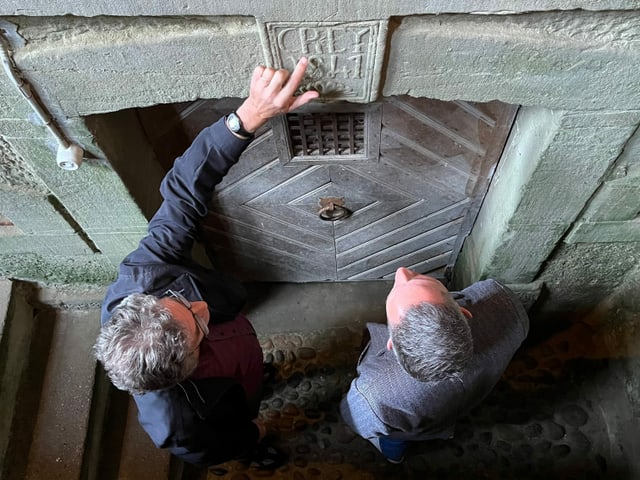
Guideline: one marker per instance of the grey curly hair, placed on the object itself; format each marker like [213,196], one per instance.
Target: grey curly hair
[432,341]
[142,347]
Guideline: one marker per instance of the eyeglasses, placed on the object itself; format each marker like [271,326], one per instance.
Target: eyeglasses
[199,321]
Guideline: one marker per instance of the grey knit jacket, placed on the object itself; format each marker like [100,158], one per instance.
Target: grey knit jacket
[385,400]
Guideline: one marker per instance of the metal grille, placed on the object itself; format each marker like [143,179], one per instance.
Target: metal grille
[327,134]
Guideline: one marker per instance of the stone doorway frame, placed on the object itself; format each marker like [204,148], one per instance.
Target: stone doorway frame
[574,73]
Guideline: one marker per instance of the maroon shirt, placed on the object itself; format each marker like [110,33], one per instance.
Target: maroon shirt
[232,350]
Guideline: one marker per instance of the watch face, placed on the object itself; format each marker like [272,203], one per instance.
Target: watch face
[234,122]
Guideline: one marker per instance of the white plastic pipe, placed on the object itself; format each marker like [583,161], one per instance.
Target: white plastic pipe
[69,156]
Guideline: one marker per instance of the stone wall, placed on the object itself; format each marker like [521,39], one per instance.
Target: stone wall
[562,205]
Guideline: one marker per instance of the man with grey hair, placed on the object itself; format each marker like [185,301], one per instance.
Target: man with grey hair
[439,356]
[172,332]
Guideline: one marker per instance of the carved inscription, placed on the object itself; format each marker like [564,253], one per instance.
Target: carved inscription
[344,58]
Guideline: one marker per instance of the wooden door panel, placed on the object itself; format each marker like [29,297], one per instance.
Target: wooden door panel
[250,222]
[395,228]
[363,218]
[244,245]
[436,143]
[392,249]
[413,200]
[420,180]
[249,259]
[414,253]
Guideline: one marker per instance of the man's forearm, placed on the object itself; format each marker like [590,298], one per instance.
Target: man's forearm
[187,189]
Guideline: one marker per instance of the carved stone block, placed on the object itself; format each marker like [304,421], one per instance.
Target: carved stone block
[345,59]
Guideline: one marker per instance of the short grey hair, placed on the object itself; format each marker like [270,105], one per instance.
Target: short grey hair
[432,341]
[143,348]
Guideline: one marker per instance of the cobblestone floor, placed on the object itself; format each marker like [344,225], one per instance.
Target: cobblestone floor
[541,421]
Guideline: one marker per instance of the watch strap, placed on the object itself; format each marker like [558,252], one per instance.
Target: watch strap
[237,127]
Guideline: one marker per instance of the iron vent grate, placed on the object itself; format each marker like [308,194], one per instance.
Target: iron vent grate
[327,134]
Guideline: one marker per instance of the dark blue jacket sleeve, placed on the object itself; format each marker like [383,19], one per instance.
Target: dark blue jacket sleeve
[220,429]
[186,190]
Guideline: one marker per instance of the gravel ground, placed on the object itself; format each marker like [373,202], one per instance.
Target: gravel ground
[539,422]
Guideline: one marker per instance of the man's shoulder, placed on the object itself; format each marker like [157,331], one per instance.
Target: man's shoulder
[488,284]
[196,393]
[498,315]
[488,290]
[132,278]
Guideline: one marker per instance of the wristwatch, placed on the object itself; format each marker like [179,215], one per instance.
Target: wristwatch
[235,125]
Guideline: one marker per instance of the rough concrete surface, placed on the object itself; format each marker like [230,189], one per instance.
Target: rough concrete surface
[544,419]
[300,10]
[580,276]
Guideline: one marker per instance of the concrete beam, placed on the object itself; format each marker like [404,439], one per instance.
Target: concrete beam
[300,10]
[87,66]
[582,61]
[547,173]
[613,214]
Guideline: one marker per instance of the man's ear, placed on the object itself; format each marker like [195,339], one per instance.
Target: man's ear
[389,344]
[466,313]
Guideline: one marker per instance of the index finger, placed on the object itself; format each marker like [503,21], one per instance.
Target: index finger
[257,73]
[296,77]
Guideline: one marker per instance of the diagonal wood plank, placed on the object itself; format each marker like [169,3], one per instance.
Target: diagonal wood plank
[413,200]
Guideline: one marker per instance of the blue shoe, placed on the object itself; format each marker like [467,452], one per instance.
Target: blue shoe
[393,450]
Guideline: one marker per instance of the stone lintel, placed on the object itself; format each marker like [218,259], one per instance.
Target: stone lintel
[300,10]
[582,61]
[87,66]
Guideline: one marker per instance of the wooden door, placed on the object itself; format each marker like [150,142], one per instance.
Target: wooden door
[411,171]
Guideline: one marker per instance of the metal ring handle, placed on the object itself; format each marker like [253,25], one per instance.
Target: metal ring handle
[338,212]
